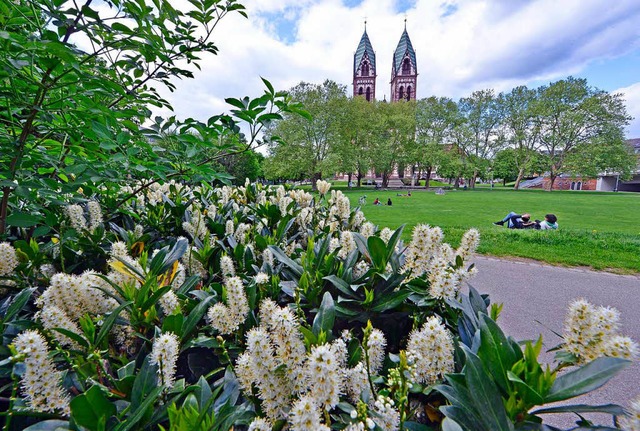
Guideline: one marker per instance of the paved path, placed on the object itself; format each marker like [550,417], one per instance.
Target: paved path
[533,292]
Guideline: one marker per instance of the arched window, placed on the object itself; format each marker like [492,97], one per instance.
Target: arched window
[368,94]
[406,67]
[408,92]
[579,185]
[365,69]
[573,185]
[401,92]
[360,91]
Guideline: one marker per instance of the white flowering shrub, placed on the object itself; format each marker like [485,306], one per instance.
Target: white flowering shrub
[262,307]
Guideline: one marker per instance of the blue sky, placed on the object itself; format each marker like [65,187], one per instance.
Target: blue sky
[461,46]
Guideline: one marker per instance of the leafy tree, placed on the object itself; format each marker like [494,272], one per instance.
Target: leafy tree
[482,112]
[520,127]
[307,145]
[76,84]
[575,117]
[243,166]
[353,149]
[435,118]
[394,128]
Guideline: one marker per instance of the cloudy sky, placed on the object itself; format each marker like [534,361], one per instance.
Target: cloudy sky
[461,46]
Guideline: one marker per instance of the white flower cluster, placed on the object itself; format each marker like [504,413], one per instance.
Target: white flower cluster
[227,318]
[430,350]
[590,332]
[340,206]
[277,364]
[376,343]
[78,220]
[347,244]
[323,187]
[53,317]
[424,246]
[41,382]
[164,354]
[193,265]
[468,244]
[8,259]
[631,421]
[197,226]
[260,424]
[305,416]
[75,295]
[302,198]
[368,229]
[386,416]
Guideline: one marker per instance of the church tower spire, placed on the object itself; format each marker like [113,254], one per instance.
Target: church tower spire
[364,68]
[404,69]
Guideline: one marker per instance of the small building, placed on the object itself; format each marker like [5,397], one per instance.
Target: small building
[610,181]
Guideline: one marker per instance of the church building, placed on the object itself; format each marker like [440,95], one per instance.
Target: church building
[404,69]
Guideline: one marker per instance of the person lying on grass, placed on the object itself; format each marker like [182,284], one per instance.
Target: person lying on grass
[516,221]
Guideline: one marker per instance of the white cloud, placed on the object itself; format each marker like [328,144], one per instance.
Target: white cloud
[490,43]
[632,96]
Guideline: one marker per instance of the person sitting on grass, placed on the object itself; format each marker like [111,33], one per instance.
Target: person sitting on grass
[517,221]
[389,202]
[550,222]
[377,202]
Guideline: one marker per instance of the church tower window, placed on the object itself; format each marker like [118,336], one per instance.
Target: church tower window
[368,94]
[406,67]
[401,93]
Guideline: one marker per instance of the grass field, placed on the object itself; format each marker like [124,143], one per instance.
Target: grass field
[599,230]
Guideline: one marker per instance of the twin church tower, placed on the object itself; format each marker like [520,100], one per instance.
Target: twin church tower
[404,71]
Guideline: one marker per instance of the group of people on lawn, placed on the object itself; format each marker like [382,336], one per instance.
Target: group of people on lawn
[523,221]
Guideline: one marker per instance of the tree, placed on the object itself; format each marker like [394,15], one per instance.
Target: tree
[243,166]
[353,149]
[575,117]
[76,84]
[483,114]
[435,118]
[521,128]
[394,128]
[307,144]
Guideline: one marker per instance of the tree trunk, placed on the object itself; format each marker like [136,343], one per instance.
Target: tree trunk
[472,180]
[349,179]
[552,179]
[385,179]
[516,186]
[504,182]
[317,176]
[457,183]
[428,176]
[359,177]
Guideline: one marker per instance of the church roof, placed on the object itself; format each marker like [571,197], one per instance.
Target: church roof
[404,46]
[364,47]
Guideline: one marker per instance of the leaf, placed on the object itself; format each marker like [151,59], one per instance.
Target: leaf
[141,410]
[450,425]
[326,316]
[146,381]
[391,301]
[92,409]
[495,351]
[490,402]
[20,219]
[612,409]
[282,257]
[194,317]
[378,252]
[586,378]
[109,321]
[50,425]
[528,393]
[341,285]
[18,303]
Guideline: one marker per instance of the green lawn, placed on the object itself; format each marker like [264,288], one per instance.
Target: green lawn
[600,230]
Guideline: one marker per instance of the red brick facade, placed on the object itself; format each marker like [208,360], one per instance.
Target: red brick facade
[566,183]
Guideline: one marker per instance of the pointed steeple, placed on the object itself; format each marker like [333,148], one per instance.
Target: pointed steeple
[364,68]
[404,69]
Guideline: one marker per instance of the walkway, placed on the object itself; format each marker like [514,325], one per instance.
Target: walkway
[534,293]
